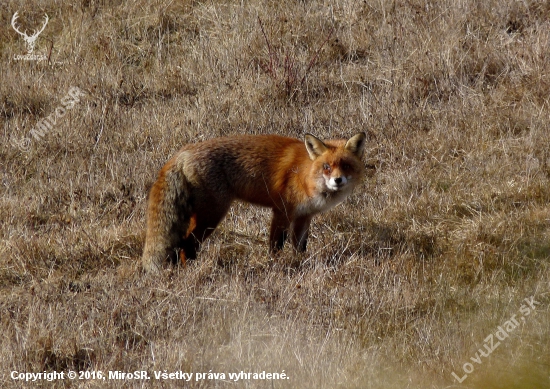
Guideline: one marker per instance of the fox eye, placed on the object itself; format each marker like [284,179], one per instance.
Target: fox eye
[326,166]
[346,166]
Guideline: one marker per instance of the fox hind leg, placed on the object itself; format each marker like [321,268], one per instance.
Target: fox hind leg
[204,224]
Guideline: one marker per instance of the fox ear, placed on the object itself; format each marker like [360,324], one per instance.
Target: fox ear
[314,146]
[356,144]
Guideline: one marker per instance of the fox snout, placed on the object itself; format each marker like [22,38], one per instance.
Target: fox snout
[335,183]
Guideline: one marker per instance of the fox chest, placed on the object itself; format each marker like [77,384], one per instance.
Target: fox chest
[320,203]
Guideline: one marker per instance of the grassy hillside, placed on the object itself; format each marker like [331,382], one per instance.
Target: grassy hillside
[402,285]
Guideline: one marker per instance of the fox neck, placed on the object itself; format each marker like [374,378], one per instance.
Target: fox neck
[322,201]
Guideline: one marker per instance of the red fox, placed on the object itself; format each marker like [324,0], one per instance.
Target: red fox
[195,189]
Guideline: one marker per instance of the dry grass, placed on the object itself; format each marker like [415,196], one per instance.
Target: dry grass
[400,285]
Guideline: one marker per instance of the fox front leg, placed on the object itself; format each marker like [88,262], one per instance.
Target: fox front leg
[279,231]
[300,232]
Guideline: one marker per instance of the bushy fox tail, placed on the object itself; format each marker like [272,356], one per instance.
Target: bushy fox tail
[170,218]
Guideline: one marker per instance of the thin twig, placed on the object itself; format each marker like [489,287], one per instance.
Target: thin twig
[272,69]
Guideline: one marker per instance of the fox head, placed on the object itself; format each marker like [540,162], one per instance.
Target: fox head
[337,165]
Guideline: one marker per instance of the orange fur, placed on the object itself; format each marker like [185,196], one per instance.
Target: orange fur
[296,179]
